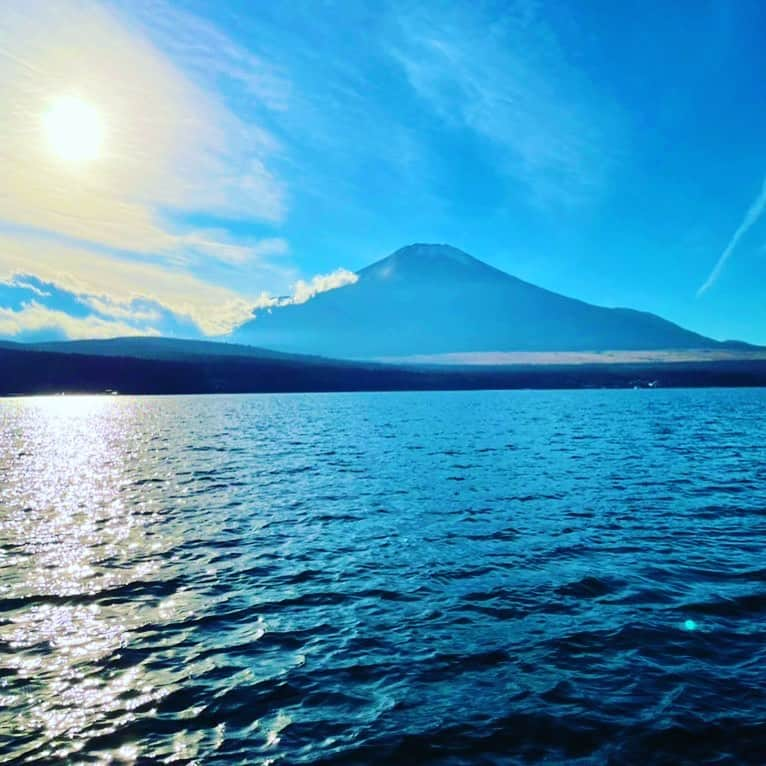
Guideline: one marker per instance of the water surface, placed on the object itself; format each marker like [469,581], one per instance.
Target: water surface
[489,577]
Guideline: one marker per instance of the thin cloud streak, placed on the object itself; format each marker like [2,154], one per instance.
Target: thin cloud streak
[754,212]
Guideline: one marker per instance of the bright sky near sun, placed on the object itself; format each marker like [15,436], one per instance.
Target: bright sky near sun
[74,129]
[167,164]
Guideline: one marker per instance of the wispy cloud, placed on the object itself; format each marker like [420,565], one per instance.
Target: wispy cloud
[218,244]
[506,80]
[120,283]
[128,312]
[754,212]
[34,317]
[209,53]
[26,285]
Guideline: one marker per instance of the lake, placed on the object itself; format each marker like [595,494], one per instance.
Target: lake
[451,578]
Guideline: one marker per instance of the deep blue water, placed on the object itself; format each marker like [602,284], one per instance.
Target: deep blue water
[456,578]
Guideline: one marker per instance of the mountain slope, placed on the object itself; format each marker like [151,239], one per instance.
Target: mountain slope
[435,299]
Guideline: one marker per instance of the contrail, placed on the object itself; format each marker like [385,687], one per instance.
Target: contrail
[753,214]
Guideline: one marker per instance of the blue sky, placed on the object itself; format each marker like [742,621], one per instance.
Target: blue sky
[612,152]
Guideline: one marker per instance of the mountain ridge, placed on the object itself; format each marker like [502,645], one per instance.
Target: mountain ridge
[436,299]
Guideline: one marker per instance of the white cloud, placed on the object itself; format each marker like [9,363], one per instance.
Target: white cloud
[32,317]
[120,282]
[305,290]
[754,212]
[25,285]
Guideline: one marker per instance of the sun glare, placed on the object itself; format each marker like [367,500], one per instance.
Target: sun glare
[74,129]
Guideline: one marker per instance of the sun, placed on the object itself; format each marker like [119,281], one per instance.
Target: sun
[74,129]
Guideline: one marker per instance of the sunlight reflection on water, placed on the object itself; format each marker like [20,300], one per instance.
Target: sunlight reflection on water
[69,539]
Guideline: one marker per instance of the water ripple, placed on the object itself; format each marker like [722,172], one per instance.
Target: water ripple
[451,578]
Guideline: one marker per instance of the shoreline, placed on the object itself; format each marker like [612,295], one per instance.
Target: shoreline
[25,373]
